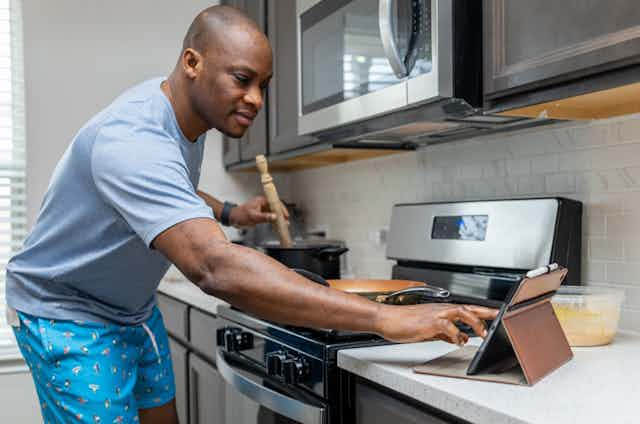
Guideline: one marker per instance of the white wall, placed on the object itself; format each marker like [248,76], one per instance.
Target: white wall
[79,55]
[596,162]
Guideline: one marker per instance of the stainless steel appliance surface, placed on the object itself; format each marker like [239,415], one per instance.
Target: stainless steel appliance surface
[475,250]
[392,73]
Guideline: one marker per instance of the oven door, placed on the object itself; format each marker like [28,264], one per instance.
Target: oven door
[252,397]
[356,57]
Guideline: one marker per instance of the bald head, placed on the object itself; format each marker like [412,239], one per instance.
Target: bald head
[212,23]
[221,76]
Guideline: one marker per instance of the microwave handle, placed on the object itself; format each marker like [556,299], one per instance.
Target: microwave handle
[402,68]
[279,403]
[385,13]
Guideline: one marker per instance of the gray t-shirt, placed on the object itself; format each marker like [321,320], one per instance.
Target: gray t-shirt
[129,174]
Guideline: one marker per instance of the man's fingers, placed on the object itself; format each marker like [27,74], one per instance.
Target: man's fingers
[285,212]
[461,313]
[482,312]
[452,332]
[258,217]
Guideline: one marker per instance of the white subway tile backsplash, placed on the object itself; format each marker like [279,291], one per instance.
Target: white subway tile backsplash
[605,250]
[595,162]
[632,250]
[593,272]
[622,226]
[629,129]
[519,166]
[560,183]
[531,185]
[623,273]
[545,164]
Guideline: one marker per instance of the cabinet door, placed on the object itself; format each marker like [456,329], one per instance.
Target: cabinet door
[530,44]
[179,360]
[230,150]
[174,315]
[254,141]
[206,393]
[202,329]
[375,407]
[283,90]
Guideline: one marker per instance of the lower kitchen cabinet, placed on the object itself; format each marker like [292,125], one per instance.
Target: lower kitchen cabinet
[206,393]
[180,367]
[375,405]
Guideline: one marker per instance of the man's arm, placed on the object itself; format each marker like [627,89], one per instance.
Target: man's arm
[248,214]
[260,285]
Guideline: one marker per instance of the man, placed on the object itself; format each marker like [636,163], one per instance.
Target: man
[122,205]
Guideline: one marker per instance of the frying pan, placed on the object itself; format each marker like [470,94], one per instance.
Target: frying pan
[401,292]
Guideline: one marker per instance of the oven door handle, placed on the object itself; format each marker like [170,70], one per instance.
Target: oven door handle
[277,402]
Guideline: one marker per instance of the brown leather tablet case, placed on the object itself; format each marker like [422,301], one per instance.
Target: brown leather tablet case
[534,334]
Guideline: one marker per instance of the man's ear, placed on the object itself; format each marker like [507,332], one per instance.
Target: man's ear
[191,63]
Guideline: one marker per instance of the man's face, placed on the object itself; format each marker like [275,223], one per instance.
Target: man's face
[229,90]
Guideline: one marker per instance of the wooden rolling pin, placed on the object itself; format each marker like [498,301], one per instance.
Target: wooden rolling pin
[274,201]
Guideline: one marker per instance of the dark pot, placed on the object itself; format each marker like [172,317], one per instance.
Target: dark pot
[322,259]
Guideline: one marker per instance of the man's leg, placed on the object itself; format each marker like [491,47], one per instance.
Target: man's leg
[165,414]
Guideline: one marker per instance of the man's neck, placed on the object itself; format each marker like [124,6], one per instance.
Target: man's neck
[188,121]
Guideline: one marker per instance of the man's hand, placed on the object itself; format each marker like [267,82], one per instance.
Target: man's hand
[432,321]
[255,211]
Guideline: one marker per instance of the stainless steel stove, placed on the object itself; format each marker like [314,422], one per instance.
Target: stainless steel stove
[475,250]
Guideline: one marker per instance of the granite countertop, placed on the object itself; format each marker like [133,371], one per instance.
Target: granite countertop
[189,293]
[600,384]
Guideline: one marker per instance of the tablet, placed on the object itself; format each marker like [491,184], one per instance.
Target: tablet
[496,353]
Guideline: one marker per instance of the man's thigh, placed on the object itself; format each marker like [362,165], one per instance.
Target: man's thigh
[165,414]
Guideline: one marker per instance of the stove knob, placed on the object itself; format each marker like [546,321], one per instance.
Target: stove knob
[274,362]
[234,339]
[294,370]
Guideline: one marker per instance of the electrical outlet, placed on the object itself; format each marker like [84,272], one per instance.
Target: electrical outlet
[379,237]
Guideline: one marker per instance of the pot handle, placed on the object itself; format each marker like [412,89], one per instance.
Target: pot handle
[311,276]
[329,253]
[423,292]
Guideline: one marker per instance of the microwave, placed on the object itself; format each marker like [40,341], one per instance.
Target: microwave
[360,59]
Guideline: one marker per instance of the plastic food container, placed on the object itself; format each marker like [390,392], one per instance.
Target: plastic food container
[588,315]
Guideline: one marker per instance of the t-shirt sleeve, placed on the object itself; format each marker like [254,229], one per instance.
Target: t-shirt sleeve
[147,181]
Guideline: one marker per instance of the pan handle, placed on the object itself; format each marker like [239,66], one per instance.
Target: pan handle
[423,292]
[311,276]
[330,253]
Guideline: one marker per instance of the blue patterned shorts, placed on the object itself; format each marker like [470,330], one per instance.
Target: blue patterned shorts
[97,373]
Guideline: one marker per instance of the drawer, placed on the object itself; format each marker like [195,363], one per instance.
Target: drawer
[180,371]
[202,331]
[175,315]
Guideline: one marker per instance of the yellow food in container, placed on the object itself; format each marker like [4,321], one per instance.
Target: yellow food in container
[588,315]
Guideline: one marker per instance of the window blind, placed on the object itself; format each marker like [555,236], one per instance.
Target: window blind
[13,221]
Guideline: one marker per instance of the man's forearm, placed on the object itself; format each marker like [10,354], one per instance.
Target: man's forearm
[260,285]
[212,202]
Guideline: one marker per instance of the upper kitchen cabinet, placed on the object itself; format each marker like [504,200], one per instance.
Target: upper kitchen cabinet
[540,52]
[283,90]
[254,142]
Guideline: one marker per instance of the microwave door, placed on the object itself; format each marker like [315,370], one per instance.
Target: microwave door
[431,76]
[345,74]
